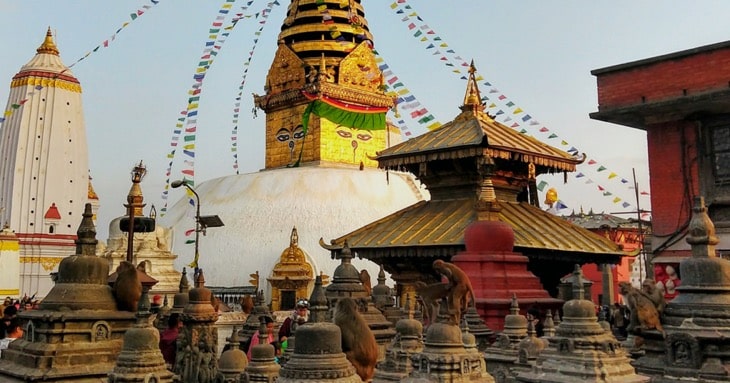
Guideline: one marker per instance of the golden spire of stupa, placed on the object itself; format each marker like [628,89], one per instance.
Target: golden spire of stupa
[48,46]
[472,98]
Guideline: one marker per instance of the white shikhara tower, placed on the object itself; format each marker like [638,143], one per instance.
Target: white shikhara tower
[44,166]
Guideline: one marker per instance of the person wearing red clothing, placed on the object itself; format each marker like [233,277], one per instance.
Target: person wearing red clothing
[168,340]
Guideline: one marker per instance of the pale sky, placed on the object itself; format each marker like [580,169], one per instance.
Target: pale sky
[538,54]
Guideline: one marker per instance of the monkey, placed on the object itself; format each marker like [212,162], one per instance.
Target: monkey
[127,288]
[246,303]
[365,279]
[430,296]
[358,341]
[648,287]
[644,314]
[461,292]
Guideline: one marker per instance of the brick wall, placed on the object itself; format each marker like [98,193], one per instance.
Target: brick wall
[661,80]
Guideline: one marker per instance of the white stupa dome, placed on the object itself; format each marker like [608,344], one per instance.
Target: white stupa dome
[260,209]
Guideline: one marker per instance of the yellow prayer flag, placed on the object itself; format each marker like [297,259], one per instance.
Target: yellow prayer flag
[517,111]
[612,175]
[479,78]
[227,6]
[8,112]
[394,5]
[403,92]
[563,142]
[189,146]
[200,70]
[413,14]
[193,106]
[170,155]
[444,45]
[616,200]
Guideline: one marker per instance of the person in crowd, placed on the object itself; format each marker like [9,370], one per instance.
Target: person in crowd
[300,315]
[168,340]
[14,331]
[9,313]
[269,335]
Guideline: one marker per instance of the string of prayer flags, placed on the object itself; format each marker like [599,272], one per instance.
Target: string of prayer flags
[237,102]
[187,123]
[104,44]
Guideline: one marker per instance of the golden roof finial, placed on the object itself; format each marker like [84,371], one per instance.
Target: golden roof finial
[472,98]
[48,45]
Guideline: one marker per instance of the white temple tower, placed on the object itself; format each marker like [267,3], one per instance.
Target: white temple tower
[44,167]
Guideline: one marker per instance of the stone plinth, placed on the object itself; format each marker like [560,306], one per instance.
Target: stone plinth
[76,335]
[581,350]
[696,345]
[346,284]
[497,273]
[318,355]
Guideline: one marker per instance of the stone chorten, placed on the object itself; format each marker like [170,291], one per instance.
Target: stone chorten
[581,350]
[479,328]
[346,284]
[233,362]
[384,300]
[197,344]
[141,359]
[446,356]
[504,352]
[318,355]
[697,322]
[77,332]
[253,321]
[263,366]
[408,342]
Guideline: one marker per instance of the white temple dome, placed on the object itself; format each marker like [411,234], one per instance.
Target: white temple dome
[260,209]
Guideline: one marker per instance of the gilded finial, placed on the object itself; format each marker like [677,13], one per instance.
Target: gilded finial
[48,46]
[472,98]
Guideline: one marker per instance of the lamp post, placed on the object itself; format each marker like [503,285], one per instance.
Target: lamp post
[201,222]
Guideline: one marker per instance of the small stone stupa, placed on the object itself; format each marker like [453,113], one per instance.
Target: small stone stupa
[697,322]
[407,343]
[384,300]
[318,355]
[197,344]
[346,284]
[581,350]
[77,332]
[233,362]
[263,366]
[502,355]
[446,357]
[141,360]
[253,321]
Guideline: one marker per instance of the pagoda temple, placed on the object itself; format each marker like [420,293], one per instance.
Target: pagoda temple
[476,168]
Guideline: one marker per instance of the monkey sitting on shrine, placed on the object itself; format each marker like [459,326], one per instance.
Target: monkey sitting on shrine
[644,314]
[461,292]
[358,341]
[431,297]
[127,288]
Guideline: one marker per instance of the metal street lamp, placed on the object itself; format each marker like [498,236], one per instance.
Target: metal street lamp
[201,222]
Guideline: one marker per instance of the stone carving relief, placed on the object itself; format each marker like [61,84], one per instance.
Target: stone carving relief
[100,331]
[683,350]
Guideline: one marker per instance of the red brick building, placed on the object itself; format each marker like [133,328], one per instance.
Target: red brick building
[682,101]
